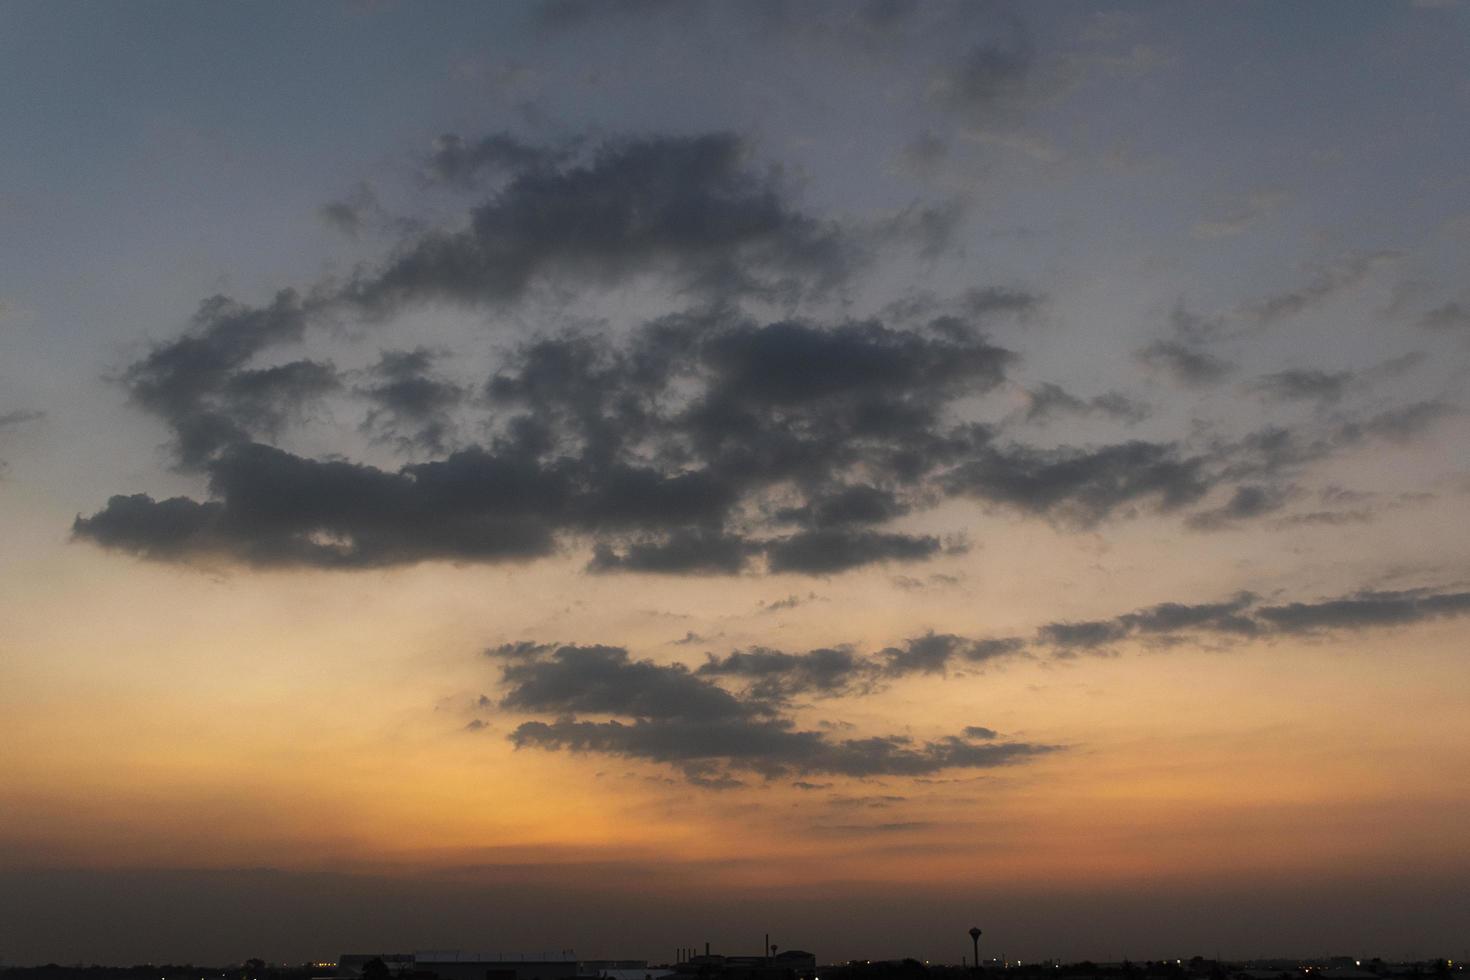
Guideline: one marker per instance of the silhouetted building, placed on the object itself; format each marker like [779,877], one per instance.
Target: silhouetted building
[351,964]
[459,965]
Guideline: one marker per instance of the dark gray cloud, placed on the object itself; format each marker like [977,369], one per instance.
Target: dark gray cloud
[1450,316]
[274,508]
[771,748]
[1306,384]
[831,550]
[832,671]
[1365,609]
[701,442]
[1185,354]
[1086,634]
[692,209]
[355,213]
[175,529]
[677,451]
[935,653]
[1083,486]
[1050,401]
[998,300]
[687,718]
[409,405]
[606,680]
[202,385]
[790,602]
[669,714]
[654,449]
[19,417]
[1175,617]
[684,552]
[1246,617]
[469,163]
[1326,282]
[1247,502]
[1396,424]
[775,675]
[1187,364]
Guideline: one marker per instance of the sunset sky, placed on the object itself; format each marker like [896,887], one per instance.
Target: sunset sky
[620,475]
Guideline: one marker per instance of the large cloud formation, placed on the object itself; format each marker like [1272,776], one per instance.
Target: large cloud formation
[706,441]
[732,714]
[670,714]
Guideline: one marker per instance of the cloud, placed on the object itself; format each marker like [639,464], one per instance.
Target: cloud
[1082,486]
[278,509]
[688,447]
[1087,635]
[1246,617]
[773,749]
[355,213]
[934,653]
[1050,401]
[1306,384]
[684,552]
[1185,354]
[694,210]
[1396,424]
[700,442]
[839,671]
[467,164]
[1365,610]
[1327,282]
[997,300]
[19,417]
[409,406]
[1450,316]
[790,602]
[1248,501]
[602,700]
[670,715]
[202,386]
[828,551]
[1189,365]
[689,208]
[774,675]
[663,450]
[606,680]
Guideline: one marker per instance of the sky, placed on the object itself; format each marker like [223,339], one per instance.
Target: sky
[622,475]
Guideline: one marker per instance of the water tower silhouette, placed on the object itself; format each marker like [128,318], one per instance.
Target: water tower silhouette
[975,938]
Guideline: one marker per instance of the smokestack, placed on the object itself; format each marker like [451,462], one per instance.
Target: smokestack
[706,948]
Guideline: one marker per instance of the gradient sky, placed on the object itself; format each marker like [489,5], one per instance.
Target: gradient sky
[619,475]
